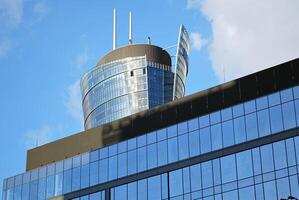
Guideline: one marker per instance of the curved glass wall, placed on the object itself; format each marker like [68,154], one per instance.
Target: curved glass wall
[244,122]
[120,88]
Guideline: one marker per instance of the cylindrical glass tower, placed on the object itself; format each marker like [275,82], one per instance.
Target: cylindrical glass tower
[127,80]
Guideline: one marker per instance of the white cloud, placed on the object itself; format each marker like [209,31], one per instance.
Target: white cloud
[73,102]
[250,35]
[34,138]
[82,58]
[197,42]
[11,12]
[41,9]
[5,46]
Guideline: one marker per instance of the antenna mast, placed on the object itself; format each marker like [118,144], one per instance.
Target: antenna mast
[114,29]
[130,28]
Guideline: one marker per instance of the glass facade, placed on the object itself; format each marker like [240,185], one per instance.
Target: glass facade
[120,88]
[269,171]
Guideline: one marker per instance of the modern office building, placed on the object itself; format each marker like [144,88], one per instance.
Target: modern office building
[238,140]
[133,78]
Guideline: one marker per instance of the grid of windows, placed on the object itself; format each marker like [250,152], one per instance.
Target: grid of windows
[244,122]
[267,172]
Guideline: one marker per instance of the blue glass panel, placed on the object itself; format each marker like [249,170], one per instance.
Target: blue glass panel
[172,131]
[162,155]
[182,128]
[172,150]
[297,111]
[75,179]
[162,134]
[205,140]
[183,147]
[263,122]
[226,114]
[244,164]
[296,140]
[76,162]
[186,179]
[288,112]
[142,189]
[262,103]
[58,184]
[17,193]
[85,176]
[33,190]
[112,150]
[67,164]
[216,136]
[251,126]
[228,168]
[142,160]
[294,185]
[270,190]
[94,173]
[132,191]
[104,152]
[25,192]
[164,183]
[141,141]
[250,106]
[286,95]
[283,189]
[216,172]
[67,181]
[122,147]
[247,193]
[230,195]
[194,143]
[257,168]
[154,187]
[291,152]
[175,183]
[195,172]
[215,117]
[228,133]
[50,186]
[296,92]
[132,162]
[152,156]
[103,171]
[42,188]
[239,129]
[132,144]
[274,99]
[207,174]
[276,119]
[151,137]
[122,164]
[112,172]
[193,124]
[238,110]
[267,158]
[120,192]
[280,157]
[204,121]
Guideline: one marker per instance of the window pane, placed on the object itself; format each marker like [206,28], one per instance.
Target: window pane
[132,191]
[122,164]
[228,133]
[183,147]
[103,171]
[141,157]
[132,144]
[274,99]
[50,186]
[226,114]
[291,152]
[42,188]
[263,122]
[283,189]
[112,168]
[251,126]
[152,156]
[288,112]
[186,179]
[161,134]
[182,128]
[270,190]
[151,138]
[195,172]
[244,164]
[141,141]
[94,173]
[58,184]
[247,193]
[33,190]
[280,155]
[176,183]
[162,155]
[154,187]
[172,131]
[267,158]
[172,150]
[25,192]
[142,189]
[215,117]
[207,175]
[238,110]
[205,140]
[286,95]
[228,168]
[120,193]
[193,124]
[204,121]
[297,111]
[122,147]
[257,168]
[250,106]
[262,103]
[296,92]
[276,119]
[67,181]
[239,129]
[75,179]
[132,162]
[216,172]
[112,150]
[216,136]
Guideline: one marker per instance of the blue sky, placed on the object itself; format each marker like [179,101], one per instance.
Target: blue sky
[46,46]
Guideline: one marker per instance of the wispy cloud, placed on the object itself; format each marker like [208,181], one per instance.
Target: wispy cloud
[40,9]
[73,101]
[5,47]
[82,58]
[11,12]
[197,42]
[34,138]
[250,35]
